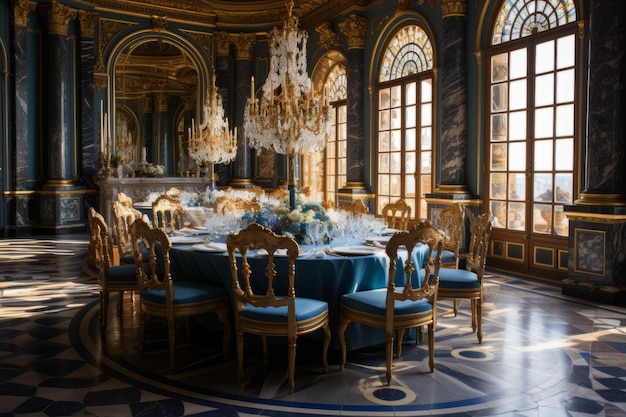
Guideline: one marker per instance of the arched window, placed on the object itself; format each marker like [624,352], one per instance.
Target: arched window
[405,121]
[533,94]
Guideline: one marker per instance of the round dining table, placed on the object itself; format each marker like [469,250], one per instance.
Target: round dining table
[322,275]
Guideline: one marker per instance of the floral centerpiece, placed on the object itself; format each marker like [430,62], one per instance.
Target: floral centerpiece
[292,223]
[150,170]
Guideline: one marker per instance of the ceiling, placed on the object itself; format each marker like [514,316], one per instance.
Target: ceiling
[240,15]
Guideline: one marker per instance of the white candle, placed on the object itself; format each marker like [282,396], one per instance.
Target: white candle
[143,154]
[252,90]
[101,126]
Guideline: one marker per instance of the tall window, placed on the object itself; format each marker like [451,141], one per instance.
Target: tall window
[326,172]
[405,121]
[533,101]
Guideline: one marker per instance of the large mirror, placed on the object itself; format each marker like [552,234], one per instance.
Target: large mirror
[156,91]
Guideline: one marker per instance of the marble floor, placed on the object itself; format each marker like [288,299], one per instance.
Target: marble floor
[543,354]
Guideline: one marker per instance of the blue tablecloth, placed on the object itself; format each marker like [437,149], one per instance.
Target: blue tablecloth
[325,279]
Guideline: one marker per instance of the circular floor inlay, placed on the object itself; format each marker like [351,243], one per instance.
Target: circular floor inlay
[472,355]
[389,395]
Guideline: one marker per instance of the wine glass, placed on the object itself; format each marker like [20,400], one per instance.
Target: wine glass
[314,230]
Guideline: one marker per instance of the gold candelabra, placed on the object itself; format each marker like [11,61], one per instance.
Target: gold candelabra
[212,142]
[289,119]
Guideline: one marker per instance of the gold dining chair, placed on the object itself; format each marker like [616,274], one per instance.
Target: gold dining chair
[168,297]
[355,207]
[270,313]
[111,278]
[396,309]
[397,215]
[168,213]
[226,204]
[124,199]
[468,283]
[451,223]
[124,216]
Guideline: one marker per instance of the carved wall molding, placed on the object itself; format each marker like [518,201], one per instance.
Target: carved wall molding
[354,28]
[22,9]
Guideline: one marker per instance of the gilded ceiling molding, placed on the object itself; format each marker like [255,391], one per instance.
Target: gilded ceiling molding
[403,5]
[87,23]
[204,39]
[22,9]
[109,29]
[354,28]
[328,37]
[184,10]
[58,17]
[451,8]
[159,23]
[244,46]
[222,43]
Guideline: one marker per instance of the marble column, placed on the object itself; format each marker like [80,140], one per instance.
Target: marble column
[244,51]
[224,70]
[186,165]
[90,140]
[163,135]
[453,72]
[59,114]
[354,28]
[147,119]
[17,203]
[597,220]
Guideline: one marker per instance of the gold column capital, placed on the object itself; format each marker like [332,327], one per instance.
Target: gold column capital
[88,22]
[146,104]
[162,102]
[189,102]
[222,42]
[354,28]
[22,9]
[244,46]
[451,8]
[58,17]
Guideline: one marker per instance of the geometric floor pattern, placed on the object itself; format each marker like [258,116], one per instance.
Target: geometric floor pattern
[543,354]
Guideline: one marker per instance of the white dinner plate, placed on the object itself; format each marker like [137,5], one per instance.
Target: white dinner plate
[214,247]
[186,240]
[389,232]
[189,232]
[142,205]
[355,250]
[382,240]
[280,253]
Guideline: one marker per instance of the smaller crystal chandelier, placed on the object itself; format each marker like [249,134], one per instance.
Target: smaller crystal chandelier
[290,119]
[211,142]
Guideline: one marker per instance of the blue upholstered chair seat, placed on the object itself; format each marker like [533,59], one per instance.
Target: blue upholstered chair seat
[457,278]
[446,256]
[306,308]
[129,259]
[186,292]
[374,302]
[122,273]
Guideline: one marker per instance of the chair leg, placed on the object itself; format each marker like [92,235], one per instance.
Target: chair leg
[223,315]
[400,336]
[142,330]
[473,308]
[291,342]
[454,307]
[121,303]
[325,348]
[171,335]
[239,354]
[265,356]
[389,353]
[104,307]
[479,319]
[431,347]
[341,330]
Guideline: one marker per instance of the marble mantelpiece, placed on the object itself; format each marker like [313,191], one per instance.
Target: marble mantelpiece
[140,188]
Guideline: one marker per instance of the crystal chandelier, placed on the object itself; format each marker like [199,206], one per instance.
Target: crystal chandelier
[211,142]
[289,119]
